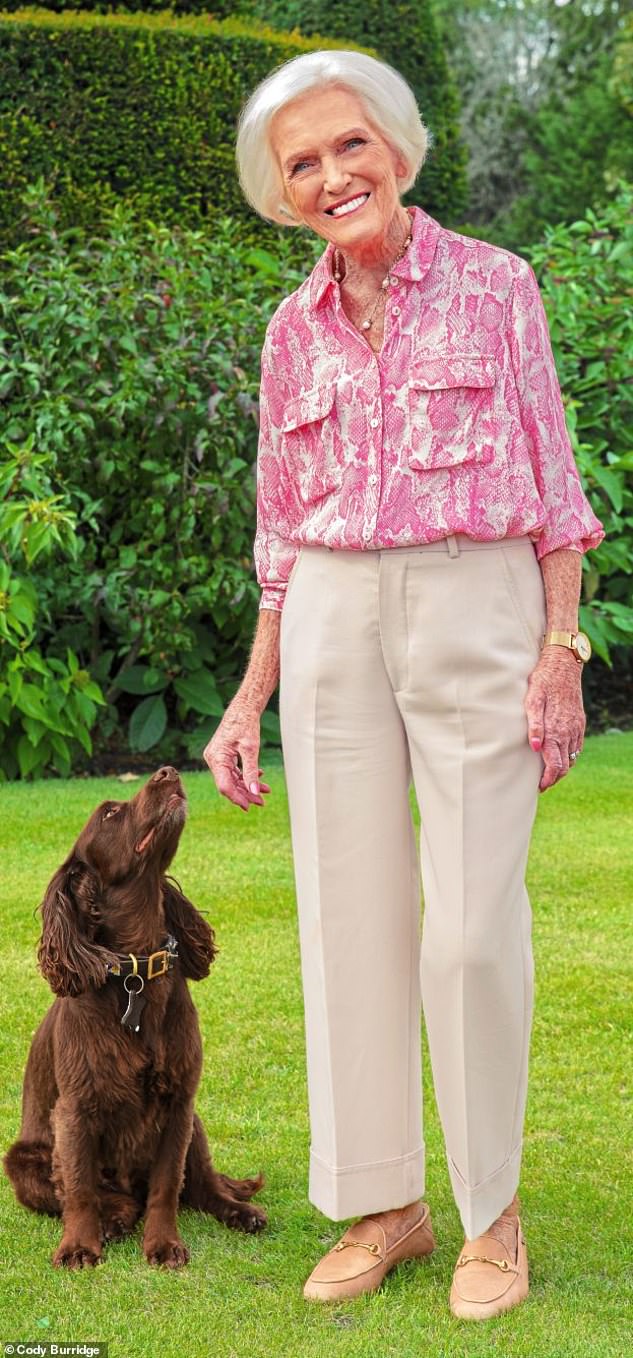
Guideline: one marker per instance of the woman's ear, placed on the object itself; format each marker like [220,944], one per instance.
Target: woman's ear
[67,958]
[195,938]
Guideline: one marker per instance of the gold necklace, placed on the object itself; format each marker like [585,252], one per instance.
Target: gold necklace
[367,324]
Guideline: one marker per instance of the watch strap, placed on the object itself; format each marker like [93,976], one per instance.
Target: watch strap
[559,639]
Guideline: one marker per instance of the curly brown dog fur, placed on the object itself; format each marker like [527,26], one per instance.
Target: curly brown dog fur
[109,1132]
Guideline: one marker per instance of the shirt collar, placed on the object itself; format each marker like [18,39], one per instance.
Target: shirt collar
[414,264]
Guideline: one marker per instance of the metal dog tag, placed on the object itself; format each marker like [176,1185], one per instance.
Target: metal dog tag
[132,1016]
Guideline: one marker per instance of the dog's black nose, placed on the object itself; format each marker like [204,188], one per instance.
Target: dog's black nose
[166,773]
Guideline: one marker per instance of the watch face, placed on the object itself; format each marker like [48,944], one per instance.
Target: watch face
[582,645]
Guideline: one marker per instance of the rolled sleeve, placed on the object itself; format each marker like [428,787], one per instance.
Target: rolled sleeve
[274,556]
[274,560]
[569,519]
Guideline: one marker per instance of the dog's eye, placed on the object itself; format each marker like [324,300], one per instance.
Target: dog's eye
[111,811]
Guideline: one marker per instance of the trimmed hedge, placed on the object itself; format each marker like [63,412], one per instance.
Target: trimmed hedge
[222,9]
[144,108]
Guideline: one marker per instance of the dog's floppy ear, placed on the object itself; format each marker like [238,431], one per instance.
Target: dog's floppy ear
[195,938]
[67,958]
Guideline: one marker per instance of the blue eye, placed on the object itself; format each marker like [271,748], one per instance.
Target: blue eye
[350,142]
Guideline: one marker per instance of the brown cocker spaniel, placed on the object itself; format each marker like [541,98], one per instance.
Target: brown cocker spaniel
[109,1132]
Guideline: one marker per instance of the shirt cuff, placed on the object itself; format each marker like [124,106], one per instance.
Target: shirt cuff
[554,542]
[272,597]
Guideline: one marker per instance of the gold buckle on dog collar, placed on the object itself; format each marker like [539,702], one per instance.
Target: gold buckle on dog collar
[157,970]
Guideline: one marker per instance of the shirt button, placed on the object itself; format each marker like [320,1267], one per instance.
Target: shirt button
[375,422]
[366,534]
[396,311]
[373,479]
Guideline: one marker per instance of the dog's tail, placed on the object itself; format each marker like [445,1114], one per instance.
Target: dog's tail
[28,1165]
[203,1186]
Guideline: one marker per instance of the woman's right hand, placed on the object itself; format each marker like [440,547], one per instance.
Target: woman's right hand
[236,739]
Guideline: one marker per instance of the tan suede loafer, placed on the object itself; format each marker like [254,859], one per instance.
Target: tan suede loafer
[487,1280]
[360,1260]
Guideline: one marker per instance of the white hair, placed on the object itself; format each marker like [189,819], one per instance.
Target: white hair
[388,100]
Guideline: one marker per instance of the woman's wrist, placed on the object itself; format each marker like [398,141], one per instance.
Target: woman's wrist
[562,574]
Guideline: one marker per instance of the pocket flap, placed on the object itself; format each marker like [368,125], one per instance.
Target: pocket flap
[453,370]
[307,408]
[449,455]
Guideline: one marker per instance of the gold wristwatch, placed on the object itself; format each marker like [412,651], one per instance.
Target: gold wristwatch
[578,642]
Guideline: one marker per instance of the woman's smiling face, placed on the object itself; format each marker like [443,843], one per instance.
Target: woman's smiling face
[329,153]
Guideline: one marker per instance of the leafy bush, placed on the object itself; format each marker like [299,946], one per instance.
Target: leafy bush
[131,360]
[586,275]
[47,704]
[579,143]
[545,91]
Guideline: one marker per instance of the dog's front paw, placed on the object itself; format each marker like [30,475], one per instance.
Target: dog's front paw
[73,1254]
[169,1253]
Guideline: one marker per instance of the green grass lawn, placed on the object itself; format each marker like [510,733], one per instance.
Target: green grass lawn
[242,1295]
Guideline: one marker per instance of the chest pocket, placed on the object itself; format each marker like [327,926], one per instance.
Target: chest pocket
[311,441]
[451,411]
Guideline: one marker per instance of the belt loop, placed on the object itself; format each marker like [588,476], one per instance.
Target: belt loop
[452,545]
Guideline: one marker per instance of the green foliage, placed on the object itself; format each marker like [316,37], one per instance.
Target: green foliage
[144,107]
[586,275]
[622,79]
[580,143]
[132,362]
[47,703]
[546,92]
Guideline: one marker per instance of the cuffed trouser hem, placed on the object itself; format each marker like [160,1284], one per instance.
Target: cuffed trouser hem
[357,1190]
[480,1206]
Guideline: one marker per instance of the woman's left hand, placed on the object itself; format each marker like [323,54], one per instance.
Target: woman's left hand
[556,718]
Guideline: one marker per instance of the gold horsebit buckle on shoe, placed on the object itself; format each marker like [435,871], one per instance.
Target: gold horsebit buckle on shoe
[485,1259]
[343,1244]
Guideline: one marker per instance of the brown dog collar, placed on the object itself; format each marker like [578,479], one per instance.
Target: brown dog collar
[154,964]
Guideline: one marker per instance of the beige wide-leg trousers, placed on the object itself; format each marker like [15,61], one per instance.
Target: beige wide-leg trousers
[399,663]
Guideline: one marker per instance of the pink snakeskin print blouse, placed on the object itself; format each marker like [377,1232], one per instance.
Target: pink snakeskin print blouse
[456,426]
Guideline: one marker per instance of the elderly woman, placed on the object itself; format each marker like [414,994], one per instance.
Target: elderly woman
[420,530]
